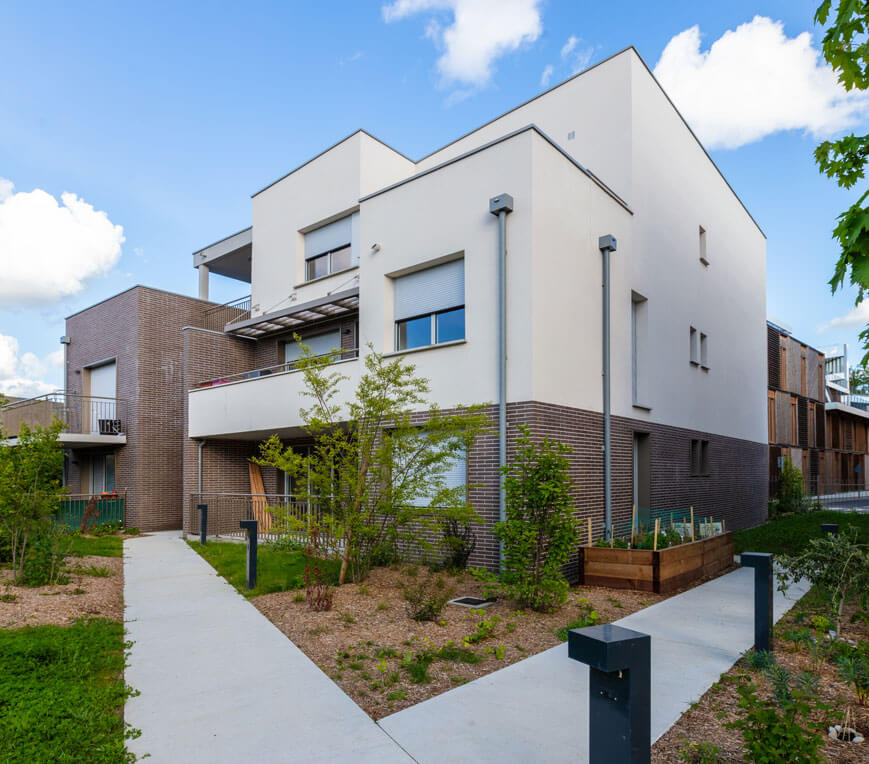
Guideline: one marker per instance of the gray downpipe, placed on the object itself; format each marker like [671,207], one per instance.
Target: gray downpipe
[606,245]
[501,206]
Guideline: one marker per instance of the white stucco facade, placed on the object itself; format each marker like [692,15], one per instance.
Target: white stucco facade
[653,187]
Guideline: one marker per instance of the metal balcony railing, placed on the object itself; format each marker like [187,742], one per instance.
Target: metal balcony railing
[81,414]
[218,317]
[347,354]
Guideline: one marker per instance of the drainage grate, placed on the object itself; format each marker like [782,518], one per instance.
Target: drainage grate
[471,602]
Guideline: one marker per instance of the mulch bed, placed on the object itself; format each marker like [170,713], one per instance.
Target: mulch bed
[97,597]
[704,722]
[351,643]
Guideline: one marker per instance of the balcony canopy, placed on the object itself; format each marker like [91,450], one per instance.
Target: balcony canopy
[298,316]
[228,257]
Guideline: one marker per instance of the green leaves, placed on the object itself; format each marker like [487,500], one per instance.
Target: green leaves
[846,49]
[379,460]
[845,43]
[540,531]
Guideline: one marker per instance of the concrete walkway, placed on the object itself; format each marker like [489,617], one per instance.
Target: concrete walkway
[537,710]
[218,682]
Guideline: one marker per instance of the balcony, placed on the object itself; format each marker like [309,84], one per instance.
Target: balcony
[88,420]
[215,319]
[254,404]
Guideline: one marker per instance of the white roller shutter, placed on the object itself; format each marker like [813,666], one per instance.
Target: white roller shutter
[320,345]
[431,290]
[331,236]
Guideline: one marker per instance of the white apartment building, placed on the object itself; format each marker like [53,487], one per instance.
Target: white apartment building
[361,245]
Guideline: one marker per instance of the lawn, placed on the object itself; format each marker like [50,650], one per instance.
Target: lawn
[277,570]
[101,546]
[63,693]
[790,533]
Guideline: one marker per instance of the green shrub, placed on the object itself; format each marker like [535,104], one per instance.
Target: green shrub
[427,598]
[459,542]
[854,669]
[540,531]
[774,729]
[588,616]
[700,753]
[417,665]
[44,564]
[759,660]
[483,630]
[791,495]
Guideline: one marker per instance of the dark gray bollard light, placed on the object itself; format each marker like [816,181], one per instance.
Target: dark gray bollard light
[619,688]
[250,527]
[203,522]
[762,564]
[831,528]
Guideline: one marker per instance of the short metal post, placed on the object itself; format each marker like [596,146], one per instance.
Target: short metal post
[762,564]
[250,526]
[203,522]
[831,528]
[620,709]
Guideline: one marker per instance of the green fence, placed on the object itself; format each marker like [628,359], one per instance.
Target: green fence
[106,509]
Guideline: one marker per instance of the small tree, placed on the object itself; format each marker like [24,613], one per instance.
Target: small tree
[30,486]
[791,494]
[839,565]
[540,531]
[376,472]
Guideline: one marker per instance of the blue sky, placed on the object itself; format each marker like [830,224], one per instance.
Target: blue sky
[167,116]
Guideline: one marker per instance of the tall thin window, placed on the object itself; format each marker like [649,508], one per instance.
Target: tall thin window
[783,368]
[770,415]
[821,382]
[693,346]
[704,251]
[704,351]
[639,348]
[794,439]
[803,381]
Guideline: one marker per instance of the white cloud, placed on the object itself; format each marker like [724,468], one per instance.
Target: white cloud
[23,375]
[48,249]
[546,76]
[754,81]
[480,32]
[857,316]
[568,47]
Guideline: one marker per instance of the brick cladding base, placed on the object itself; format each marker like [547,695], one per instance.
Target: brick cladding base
[735,488]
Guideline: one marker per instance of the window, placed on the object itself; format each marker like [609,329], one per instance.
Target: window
[454,476]
[820,382]
[704,351]
[320,344]
[693,346]
[328,249]
[639,348]
[812,424]
[794,438]
[430,306]
[704,254]
[102,473]
[803,375]
[699,457]
[783,368]
[770,416]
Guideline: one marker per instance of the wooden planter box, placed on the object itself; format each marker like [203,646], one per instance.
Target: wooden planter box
[661,572]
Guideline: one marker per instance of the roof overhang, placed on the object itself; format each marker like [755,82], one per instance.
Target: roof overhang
[298,316]
[228,257]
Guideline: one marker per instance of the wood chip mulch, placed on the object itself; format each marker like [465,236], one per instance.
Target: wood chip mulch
[372,616]
[704,722]
[84,596]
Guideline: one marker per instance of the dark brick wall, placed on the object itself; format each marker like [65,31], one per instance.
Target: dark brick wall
[735,488]
[141,329]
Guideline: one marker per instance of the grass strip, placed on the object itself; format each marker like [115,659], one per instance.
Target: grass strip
[62,693]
